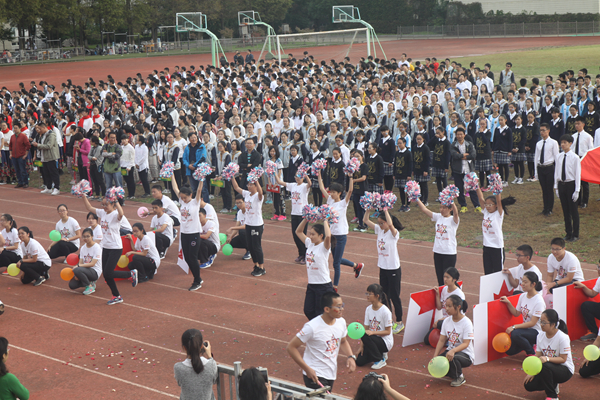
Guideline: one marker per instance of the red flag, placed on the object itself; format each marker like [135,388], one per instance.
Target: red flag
[590,166]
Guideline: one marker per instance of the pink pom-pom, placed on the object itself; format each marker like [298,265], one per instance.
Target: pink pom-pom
[202,171]
[230,171]
[270,168]
[352,166]
[115,193]
[370,201]
[328,213]
[318,165]
[166,172]
[255,174]
[387,201]
[83,188]
[142,212]
[311,213]
[495,184]
[448,195]
[471,182]
[302,170]
[413,191]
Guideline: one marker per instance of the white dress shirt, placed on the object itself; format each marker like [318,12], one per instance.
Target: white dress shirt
[141,157]
[572,169]
[550,152]
[586,143]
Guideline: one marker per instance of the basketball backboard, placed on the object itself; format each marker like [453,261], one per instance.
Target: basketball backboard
[248,18]
[342,14]
[190,21]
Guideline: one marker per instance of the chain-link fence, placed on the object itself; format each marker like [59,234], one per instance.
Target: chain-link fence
[590,28]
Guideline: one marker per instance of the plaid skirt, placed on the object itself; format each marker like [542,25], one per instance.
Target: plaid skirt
[375,188]
[501,157]
[400,182]
[530,157]
[315,183]
[484,165]
[388,169]
[518,157]
[438,172]
[422,178]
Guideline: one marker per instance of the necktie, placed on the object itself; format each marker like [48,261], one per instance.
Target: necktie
[577,144]
[564,169]
[542,155]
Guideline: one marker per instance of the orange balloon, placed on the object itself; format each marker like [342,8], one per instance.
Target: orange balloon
[501,342]
[67,274]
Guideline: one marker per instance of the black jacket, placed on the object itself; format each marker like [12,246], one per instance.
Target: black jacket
[421,159]
[403,164]
[375,165]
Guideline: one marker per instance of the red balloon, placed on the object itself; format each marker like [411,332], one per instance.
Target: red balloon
[434,338]
[501,342]
[72,259]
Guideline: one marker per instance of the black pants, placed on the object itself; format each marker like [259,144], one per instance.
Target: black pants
[519,167]
[130,181]
[546,179]
[569,207]
[584,194]
[98,185]
[32,271]
[317,197]
[161,241]
[483,176]
[460,361]
[403,196]
[441,183]
[278,204]
[531,168]
[144,178]
[206,249]
[296,220]
[83,173]
[84,277]
[254,243]
[522,340]
[189,247]
[8,257]
[50,175]
[504,172]
[359,212]
[391,280]
[226,193]
[373,349]
[239,241]
[175,221]
[145,266]
[62,248]
[592,368]
[459,181]
[312,299]
[547,379]
[442,262]
[424,192]
[590,311]
[110,258]
[325,382]
[388,182]
[493,260]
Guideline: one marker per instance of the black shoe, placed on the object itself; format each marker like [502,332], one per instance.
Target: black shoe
[258,271]
[46,275]
[195,286]
[25,186]
[584,205]
[144,279]
[19,185]
[567,237]
[574,239]
[145,196]
[39,281]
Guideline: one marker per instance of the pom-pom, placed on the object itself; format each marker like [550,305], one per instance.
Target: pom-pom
[370,201]
[471,182]
[328,213]
[202,171]
[352,166]
[82,188]
[413,191]
[255,174]
[115,193]
[387,201]
[448,195]
[166,172]
[495,183]
[311,213]
[318,165]
[270,168]
[230,171]
[302,170]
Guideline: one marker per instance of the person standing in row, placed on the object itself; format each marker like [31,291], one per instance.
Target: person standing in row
[403,167]
[546,151]
[421,162]
[583,142]
[567,183]
[462,154]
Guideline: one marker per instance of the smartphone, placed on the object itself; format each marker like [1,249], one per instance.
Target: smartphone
[264,373]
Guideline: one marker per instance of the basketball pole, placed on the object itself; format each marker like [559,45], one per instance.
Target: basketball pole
[371,35]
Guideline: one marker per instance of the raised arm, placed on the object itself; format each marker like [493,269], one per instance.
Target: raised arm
[480,197]
[367,221]
[388,219]
[424,209]
[327,239]
[322,186]
[87,205]
[120,212]
[199,190]
[174,186]
[259,190]
[455,213]
[300,231]
[235,186]
[350,190]
[499,204]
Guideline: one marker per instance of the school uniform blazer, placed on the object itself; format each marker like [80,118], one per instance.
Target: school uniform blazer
[532,136]
[503,141]
[456,156]
[421,159]
[387,150]
[483,146]
[519,139]
[557,129]
[592,122]
[403,165]
[569,127]
[375,168]
[441,152]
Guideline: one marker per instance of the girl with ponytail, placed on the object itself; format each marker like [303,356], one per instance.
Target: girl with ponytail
[378,339]
[554,350]
[531,305]
[451,277]
[197,374]
[10,251]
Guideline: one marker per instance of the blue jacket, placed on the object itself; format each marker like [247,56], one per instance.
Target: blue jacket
[200,157]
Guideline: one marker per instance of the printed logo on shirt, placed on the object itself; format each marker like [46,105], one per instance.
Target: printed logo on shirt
[525,312]
[248,206]
[295,197]
[87,258]
[104,226]
[453,337]
[561,272]
[374,325]
[310,259]
[549,352]
[64,232]
[381,244]
[487,223]
[185,213]
[7,243]
[332,344]
[441,229]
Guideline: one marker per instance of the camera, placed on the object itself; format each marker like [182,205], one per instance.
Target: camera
[372,375]
[264,373]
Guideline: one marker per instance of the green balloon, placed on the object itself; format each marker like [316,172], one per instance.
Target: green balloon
[55,236]
[438,367]
[356,330]
[591,352]
[532,365]
[222,238]
[227,249]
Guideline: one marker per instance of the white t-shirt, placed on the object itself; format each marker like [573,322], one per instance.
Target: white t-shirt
[322,345]
[569,263]
[147,243]
[170,208]
[518,272]
[12,238]
[241,217]
[68,229]
[445,234]
[317,263]
[156,223]
[190,218]
[559,344]
[457,333]
[341,228]
[124,224]
[299,196]
[492,229]
[253,208]
[378,321]
[34,248]
[110,224]
[211,214]
[597,286]
[387,249]
[444,296]
[210,226]
[87,254]
[97,233]
[533,307]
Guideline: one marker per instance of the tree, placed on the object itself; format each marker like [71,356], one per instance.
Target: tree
[23,14]
[6,35]
[271,11]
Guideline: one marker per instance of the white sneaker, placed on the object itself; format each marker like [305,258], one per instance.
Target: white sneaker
[72,182]
[46,191]
[520,181]
[379,364]
[534,179]
[504,184]
[55,192]
[515,180]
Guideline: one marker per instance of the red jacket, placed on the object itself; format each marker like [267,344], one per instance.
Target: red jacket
[19,145]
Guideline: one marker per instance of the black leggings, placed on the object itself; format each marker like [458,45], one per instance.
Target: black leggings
[8,257]
[402,196]
[278,204]
[388,182]
[110,258]
[189,247]
[97,180]
[359,212]
[32,271]
[460,361]
[145,266]
[590,311]
[442,262]
[62,248]
[373,349]
[390,280]
[254,243]
[547,379]
[493,259]
[312,298]
[519,167]
[531,168]
[424,191]
[441,183]
[522,339]
[296,220]
[483,177]
[504,172]
[130,181]
[84,276]
[317,197]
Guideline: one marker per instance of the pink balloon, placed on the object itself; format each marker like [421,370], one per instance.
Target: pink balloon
[142,212]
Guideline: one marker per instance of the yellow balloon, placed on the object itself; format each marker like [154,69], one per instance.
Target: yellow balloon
[123,261]
[13,270]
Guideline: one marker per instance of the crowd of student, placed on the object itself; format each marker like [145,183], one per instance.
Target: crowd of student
[400,121]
